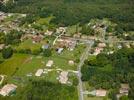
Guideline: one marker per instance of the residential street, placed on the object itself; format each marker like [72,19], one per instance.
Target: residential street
[82,59]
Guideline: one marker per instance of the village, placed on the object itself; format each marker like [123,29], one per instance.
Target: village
[54,55]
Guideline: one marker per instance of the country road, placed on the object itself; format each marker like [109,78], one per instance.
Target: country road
[82,59]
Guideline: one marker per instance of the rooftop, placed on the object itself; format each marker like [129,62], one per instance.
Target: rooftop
[7,89]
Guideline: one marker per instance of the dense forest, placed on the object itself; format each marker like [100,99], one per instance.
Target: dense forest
[109,71]
[69,12]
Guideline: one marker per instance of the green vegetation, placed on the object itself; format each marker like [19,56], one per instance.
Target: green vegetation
[7,52]
[42,90]
[108,71]
[9,66]
[70,12]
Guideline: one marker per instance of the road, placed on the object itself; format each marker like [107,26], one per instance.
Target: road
[83,57]
[2,79]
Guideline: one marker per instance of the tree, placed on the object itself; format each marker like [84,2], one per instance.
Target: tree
[112,94]
[47,52]
[75,81]
[7,52]
[124,97]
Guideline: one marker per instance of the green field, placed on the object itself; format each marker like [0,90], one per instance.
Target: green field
[22,64]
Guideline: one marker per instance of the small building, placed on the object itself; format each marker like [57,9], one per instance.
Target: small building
[49,33]
[2,46]
[59,50]
[123,90]
[8,89]
[63,78]
[39,72]
[101,93]
[101,45]
[49,63]
[78,35]
[71,62]
[119,46]
[97,51]
[37,38]
[61,30]
[45,46]
[71,45]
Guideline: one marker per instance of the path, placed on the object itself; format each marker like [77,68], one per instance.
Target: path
[82,59]
[2,79]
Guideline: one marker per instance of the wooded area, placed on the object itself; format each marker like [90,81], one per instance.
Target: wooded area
[109,71]
[69,12]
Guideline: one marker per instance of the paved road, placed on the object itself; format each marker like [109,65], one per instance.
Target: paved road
[82,59]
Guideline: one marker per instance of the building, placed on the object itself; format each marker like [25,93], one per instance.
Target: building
[63,78]
[8,89]
[123,90]
[37,38]
[61,30]
[101,45]
[2,46]
[101,93]
[49,63]
[65,42]
[97,51]
[39,72]
[2,16]
[49,33]
[71,62]
[45,46]
[60,50]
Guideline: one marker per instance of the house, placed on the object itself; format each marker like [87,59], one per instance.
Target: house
[84,37]
[4,1]
[71,45]
[37,38]
[8,89]
[49,63]
[78,35]
[97,51]
[2,46]
[119,46]
[102,45]
[110,52]
[39,72]
[49,33]
[71,62]
[59,50]
[61,30]
[101,93]
[123,90]
[68,43]
[45,46]
[63,78]
[2,16]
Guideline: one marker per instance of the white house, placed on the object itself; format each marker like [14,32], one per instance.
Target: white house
[7,89]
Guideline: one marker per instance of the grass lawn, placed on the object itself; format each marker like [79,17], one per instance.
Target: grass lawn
[27,44]
[93,98]
[8,67]
[45,21]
